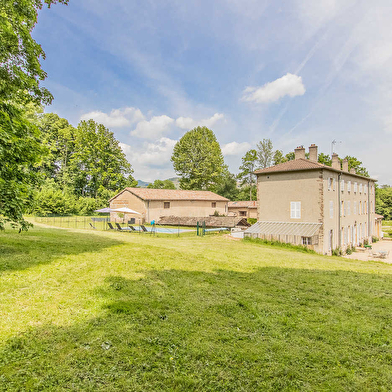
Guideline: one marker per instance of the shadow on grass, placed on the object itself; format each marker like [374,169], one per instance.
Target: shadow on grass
[274,329]
[41,246]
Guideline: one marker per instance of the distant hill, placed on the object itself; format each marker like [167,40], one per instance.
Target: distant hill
[175,180]
[142,184]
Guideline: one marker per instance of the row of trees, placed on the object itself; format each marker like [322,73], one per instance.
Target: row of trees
[81,169]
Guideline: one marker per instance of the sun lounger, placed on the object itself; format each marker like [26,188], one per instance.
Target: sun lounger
[144,228]
[132,228]
[92,226]
[111,226]
[119,228]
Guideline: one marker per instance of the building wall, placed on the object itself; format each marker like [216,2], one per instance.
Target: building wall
[353,218]
[250,212]
[311,188]
[153,210]
[276,191]
[128,199]
[186,208]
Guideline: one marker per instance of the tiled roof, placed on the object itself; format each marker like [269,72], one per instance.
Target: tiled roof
[303,164]
[377,216]
[173,194]
[296,164]
[243,204]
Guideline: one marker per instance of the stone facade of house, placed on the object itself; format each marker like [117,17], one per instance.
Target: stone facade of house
[244,209]
[152,204]
[341,202]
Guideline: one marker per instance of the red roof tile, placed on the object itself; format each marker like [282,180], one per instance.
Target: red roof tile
[303,164]
[243,204]
[173,194]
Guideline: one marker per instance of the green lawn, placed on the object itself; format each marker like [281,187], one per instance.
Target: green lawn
[106,311]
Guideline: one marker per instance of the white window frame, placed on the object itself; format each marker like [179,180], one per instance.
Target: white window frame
[334,184]
[295,210]
[342,185]
[360,188]
[355,187]
[365,189]
[348,186]
[329,183]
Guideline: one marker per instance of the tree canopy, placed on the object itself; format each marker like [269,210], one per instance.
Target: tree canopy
[20,77]
[264,153]
[197,158]
[159,184]
[249,165]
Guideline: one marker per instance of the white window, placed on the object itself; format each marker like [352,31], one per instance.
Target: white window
[342,208]
[355,208]
[342,185]
[364,208]
[348,186]
[348,208]
[331,209]
[295,210]
[306,240]
[334,184]
[329,184]
[365,189]
[360,188]
[360,208]
[355,187]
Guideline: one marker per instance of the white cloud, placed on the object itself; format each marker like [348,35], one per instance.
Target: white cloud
[117,117]
[151,160]
[288,84]
[154,128]
[235,148]
[189,123]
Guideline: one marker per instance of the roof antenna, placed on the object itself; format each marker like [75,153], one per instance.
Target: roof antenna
[333,144]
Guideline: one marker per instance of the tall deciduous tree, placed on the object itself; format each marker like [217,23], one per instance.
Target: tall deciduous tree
[264,153]
[249,165]
[20,76]
[278,157]
[227,187]
[98,164]
[197,158]
[159,184]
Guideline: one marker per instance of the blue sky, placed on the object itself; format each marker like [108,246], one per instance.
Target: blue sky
[298,72]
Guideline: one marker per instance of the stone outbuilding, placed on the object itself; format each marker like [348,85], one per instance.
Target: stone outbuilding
[152,204]
[243,209]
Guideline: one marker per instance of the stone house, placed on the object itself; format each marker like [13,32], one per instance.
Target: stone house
[152,204]
[305,202]
[245,209]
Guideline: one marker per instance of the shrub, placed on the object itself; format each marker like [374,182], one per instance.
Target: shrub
[260,241]
[349,250]
[337,252]
[374,239]
[252,221]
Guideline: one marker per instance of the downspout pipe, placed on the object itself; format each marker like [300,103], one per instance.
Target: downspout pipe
[368,207]
[340,212]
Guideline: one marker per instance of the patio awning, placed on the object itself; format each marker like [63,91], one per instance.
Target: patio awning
[302,229]
[104,210]
[125,210]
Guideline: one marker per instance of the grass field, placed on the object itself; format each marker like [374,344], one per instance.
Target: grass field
[107,311]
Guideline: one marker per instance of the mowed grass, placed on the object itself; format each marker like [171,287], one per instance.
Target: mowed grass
[106,311]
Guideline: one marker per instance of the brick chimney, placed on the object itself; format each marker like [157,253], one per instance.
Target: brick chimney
[313,156]
[353,171]
[335,161]
[345,165]
[299,152]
